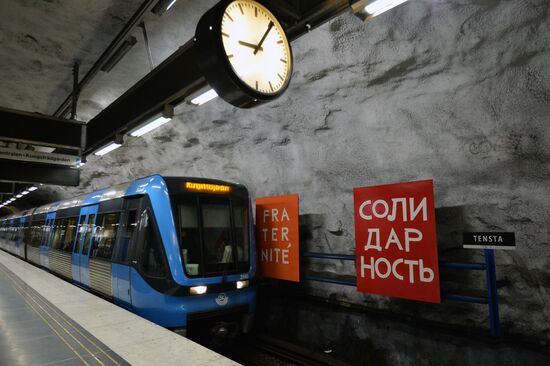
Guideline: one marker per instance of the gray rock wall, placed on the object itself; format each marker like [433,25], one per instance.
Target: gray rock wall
[457,91]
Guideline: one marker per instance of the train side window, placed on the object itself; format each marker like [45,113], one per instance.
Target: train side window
[151,261]
[70,232]
[90,227]
[81,231]
[104,237]
[128,235]
[60,228]
[36,233]
[28,231]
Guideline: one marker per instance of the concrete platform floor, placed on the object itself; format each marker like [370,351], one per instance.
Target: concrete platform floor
[45,320]
[34,332]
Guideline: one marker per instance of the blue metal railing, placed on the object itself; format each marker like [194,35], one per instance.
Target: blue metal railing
[489,267]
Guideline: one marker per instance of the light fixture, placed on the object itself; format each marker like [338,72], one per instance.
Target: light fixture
[163,6]
[33,188]
[107,149]
[205,97]
[198,290]
[24,193]
[166,117]
[170,5]
[19,196]
[242,284]
[367,9]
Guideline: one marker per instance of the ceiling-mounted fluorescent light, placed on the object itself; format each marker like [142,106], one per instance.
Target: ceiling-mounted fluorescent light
[170,5]
[205,97]
[107,149]
[163,6]
[24,193]
[379,6]
[19,196]
[150,126]
[366,9]
[33,188]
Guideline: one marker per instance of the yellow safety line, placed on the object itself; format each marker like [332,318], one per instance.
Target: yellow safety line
[65,329]
[62,316]
[51,327]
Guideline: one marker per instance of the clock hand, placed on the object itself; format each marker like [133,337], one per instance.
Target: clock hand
[246,44]
[271,24]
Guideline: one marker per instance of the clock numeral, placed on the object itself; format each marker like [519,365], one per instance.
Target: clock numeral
[256,12]
[229,16]
[280,77]
[283,60]
[257,85]
[280,41]
[271,86]
[240,7]
[230,56]
[225,34]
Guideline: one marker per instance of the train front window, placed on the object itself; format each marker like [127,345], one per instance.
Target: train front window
[218,243]
[240,216]
[190,239]
[214,235]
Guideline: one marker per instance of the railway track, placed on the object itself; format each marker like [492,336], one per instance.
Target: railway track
[260,350]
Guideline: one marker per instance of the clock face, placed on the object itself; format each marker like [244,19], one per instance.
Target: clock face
[256,46]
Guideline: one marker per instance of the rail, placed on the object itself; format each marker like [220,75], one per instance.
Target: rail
[491,300]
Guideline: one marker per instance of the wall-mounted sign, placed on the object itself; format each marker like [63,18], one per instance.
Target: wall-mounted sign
[483,240]
[39,157]
[396,246]
[277,236]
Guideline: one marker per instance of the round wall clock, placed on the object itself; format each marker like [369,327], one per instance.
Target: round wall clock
[243,52]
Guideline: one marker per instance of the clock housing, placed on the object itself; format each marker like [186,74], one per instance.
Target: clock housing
[244,72]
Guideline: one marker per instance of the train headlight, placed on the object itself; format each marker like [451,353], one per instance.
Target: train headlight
[198,290]
[242,284]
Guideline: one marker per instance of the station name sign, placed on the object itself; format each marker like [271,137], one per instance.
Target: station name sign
[396,246]
[488,240]
[39,157]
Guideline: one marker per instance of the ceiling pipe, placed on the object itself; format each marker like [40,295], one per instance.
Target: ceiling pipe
[138,16]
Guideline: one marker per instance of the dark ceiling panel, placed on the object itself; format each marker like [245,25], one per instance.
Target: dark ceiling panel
[39,129]
[22,171]
[168,83]
[6,188]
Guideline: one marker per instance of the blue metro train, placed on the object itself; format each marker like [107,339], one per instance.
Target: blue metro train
[172,250]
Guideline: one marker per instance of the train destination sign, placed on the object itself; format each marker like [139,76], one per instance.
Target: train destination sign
[277,236]
[395,237]
[488,240]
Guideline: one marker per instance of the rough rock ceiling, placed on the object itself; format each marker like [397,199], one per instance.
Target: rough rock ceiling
[454,90]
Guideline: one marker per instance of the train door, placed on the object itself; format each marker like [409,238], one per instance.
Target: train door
[126,249]
[19,244]
[46,237]
[81,248]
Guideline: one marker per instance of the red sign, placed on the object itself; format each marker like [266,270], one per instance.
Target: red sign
[277,235]
[395,241]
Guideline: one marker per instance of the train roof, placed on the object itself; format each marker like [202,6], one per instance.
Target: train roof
[118,191]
